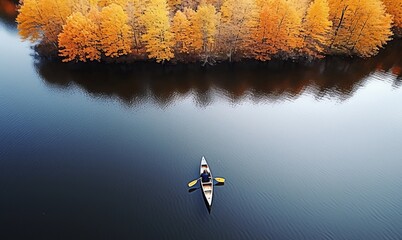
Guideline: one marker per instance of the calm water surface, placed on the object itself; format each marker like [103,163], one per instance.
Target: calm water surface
[309,152]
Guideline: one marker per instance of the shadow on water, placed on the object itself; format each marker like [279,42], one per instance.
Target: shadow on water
[209,208]
[193,190]
[219,184]
[334,78]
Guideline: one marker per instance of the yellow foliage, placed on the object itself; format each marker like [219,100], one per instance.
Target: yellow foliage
[116,34]
[79,39]
[30,20]
[43,19]
[216,3]
[394,7]
[204,28]
[135,10]
[55,13]
[157,36]
[277,30]
[181,30]
[316,28]
[238,17]
[84,6]
[360,27]
[104,3]
[301,6]
[194,32]
[174,4]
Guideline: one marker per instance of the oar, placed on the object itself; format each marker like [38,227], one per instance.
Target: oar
[220,180]
[192,183]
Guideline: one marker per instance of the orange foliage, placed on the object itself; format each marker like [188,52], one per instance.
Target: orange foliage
[316,27]
[104,3]
[360,27]
[238,17]
[80,38]
[83,6]
[43,20]
[157,37]
[194,32]
[204,23]
[174,4]
[180,30]
[394,7]
[135,10]
[116,34]
[208,30]
[277,30]
[54,13]
[30,21]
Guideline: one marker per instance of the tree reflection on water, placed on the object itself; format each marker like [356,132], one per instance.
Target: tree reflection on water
[333,78]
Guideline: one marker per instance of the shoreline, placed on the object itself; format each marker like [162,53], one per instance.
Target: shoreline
[127,64]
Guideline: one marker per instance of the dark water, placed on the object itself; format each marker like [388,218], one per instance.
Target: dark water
[309,152]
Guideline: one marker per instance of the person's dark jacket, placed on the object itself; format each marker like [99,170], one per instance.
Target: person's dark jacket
[205,177]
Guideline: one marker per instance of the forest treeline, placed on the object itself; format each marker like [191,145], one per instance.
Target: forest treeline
[208,30]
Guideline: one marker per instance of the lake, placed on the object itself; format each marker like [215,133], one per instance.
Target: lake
[309,151]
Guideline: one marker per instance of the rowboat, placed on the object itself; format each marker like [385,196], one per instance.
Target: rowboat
[207,187]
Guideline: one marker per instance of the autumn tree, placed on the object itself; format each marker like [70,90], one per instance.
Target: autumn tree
[238,17]
[80,39]
[175,5]
[43,19]
[204,28]
[194,32]
[277,30]
[216,3]
[394,7]
[360,27]
[135,10]
[316,28]
[55,13]
[104,3]
[181,30]
[30,20]
[301,6]
[83,6]
[158,37]
[116,34]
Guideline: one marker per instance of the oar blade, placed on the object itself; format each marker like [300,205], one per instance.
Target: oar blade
[192,183]
[220,180]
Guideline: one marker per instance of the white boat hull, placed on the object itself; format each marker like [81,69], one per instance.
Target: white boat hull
[207,187]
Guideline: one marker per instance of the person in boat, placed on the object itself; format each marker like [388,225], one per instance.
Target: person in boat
[205,176]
